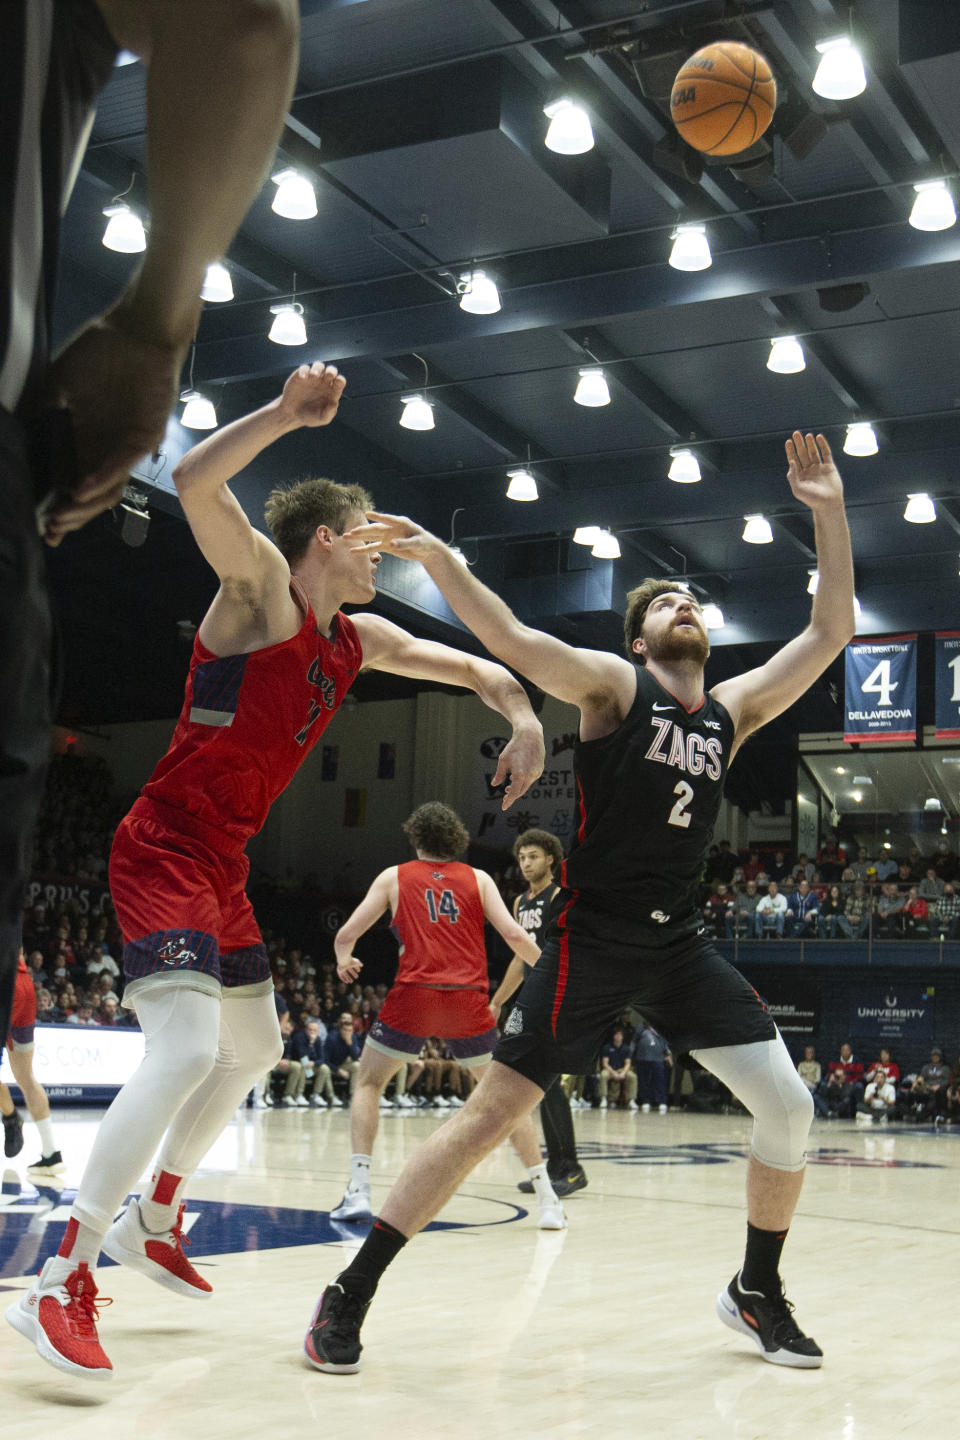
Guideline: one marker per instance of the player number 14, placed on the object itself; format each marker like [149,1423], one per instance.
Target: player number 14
[446,905]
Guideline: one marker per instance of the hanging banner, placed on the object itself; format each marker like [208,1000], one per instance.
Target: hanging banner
[881,690]
[947,670]
[901,1011]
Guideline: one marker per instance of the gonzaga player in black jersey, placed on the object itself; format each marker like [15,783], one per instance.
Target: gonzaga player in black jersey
[539,856]
[650,761]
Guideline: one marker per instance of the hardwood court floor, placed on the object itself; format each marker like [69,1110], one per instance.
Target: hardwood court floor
[486,1327]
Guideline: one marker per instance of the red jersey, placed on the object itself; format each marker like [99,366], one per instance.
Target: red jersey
[439,923]
[248,722]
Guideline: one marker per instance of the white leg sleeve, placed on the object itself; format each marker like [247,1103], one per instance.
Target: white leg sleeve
[250,1046]
[180,1028]
[764,1079]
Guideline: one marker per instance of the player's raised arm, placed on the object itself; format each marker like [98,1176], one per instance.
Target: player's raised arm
[588,678]
[758,695]
[387,647]
[240,555]
[382,893]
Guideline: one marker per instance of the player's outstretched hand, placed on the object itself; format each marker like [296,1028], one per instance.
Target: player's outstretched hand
[120,389]
[312,394]
[813,476]
[350,968]
[393,535]
[522,759]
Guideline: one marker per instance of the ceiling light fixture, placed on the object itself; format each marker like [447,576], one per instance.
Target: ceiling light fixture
[713,616]
[570,131]
[861,439]
[217,284]
[857,607]
[417,413]
[684,466]
[586,535]
[606,546]
[933,208]
[124,230]
[920,509]
[840,74]
[523,485]
[296,198]
[478,293]
[288,327]
[757,530]
[198,412]
[691,248]
[812,585]
[786,356]
[592,388]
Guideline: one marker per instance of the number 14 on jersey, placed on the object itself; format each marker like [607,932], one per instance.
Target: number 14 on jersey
[442,904]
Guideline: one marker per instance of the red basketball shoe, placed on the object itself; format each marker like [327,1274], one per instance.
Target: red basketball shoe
[159,1256]
[59,1313]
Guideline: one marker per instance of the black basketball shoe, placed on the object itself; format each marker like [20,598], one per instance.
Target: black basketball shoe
[333,1340]
[12,1135]
[768,1320]
[575,1179]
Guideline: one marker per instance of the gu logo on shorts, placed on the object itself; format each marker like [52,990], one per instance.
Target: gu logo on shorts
[514,1025]
[659,916]
[173,952]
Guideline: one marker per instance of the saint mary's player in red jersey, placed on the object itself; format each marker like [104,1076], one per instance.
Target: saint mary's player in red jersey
[272,661]
[439,906]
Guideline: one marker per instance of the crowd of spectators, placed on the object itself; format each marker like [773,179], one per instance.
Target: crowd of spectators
[839,894]
[877,1092]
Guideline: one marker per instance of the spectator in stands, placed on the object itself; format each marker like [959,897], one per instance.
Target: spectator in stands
[107,1014]
[742,917]
[953,1094]
[751,866]
[289,1069]
[831,912]
[343,1052]
[804,868]
[931,887]
[916,919]
[46,1010]
[717,909]
[842,1090]
[809,1069]
[309,1048]
[778,868]
[879,1098]
[617,1073]
[945,862]
[437,1069]
[932,1084]
[803,912]
[886,868]
[726,862]
[885,1063]
[888,917]
[946,913]
[904,874]
[82,1016]
[831,860]
[770,912]
[652,1058]
[854,923]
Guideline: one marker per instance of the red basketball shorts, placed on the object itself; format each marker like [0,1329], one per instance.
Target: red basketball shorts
[412,1013]
[23,1013]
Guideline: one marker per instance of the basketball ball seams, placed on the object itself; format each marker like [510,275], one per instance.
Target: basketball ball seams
[718,79]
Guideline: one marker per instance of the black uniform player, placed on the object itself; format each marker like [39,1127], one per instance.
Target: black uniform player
[539,855]
[652,753]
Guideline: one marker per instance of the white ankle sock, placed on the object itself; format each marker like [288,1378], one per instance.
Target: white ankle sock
[541,1183]
[47,1142]
[359,1171]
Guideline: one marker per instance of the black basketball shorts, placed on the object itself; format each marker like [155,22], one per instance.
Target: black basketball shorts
[585,979]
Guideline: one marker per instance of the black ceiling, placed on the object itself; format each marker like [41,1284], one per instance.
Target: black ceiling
[421,124]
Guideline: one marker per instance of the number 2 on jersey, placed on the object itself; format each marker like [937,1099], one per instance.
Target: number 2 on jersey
[680,815]
[446,905]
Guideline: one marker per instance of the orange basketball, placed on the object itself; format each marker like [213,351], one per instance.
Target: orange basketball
[723,98]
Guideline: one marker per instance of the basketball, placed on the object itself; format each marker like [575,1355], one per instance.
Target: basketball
[723,98]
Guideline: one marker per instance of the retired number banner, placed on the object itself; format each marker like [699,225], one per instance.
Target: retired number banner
[881,690]
[948,685]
